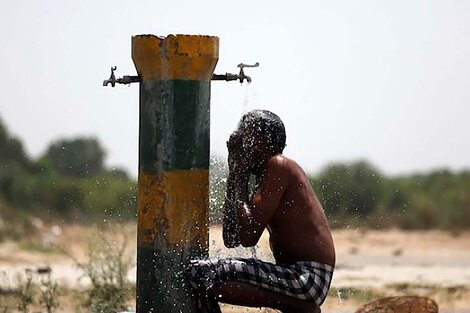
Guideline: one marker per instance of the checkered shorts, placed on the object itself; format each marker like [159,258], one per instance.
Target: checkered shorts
[306,280]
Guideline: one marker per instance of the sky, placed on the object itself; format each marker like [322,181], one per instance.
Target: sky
[385,81]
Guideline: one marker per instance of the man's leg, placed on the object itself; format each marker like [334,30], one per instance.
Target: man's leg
[245,294]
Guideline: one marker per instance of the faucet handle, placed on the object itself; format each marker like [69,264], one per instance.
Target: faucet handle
[242,65]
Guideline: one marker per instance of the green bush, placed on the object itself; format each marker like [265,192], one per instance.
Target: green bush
[69,182]
[106,267]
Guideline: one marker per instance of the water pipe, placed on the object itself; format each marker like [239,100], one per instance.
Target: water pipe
[174,74]
[173,181]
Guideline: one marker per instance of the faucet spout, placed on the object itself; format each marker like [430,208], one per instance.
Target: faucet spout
[112,78]
[240,76]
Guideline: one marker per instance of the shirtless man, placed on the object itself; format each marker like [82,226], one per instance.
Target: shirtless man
[285,204]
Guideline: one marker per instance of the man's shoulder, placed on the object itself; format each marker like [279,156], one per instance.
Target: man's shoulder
[276,162]
[282,165]
[281,161]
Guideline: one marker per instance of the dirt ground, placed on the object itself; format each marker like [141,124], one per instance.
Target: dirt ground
[370,263]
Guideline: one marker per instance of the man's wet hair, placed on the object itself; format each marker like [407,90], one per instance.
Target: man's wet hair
[267,126]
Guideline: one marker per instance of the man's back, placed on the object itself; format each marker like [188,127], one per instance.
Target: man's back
[299,229]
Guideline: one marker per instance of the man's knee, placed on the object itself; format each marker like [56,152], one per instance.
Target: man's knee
[202,274]
[193,274]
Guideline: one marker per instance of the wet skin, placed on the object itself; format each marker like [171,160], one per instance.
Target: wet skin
[284,203]
[298,228]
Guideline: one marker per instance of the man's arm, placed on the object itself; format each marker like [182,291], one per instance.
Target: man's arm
[255,215]
[237,189]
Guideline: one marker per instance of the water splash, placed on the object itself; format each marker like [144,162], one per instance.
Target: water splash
[218,177]
[340,301]
[247,101]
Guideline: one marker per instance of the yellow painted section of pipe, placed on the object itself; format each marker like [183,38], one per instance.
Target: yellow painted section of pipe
[185,57]
[174,207]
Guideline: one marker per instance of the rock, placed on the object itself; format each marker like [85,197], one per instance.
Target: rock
[56,230]
[36,222]
[43,269]
[405,304]
[353,250]
[48,240]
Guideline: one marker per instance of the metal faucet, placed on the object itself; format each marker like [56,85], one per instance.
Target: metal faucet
[124,80]
[240,76]
[134,79]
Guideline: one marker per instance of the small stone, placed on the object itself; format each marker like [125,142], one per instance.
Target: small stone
[354,250]
[405,304]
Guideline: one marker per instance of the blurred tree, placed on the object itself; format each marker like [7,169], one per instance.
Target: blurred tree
[11,149]
[349,189]
[71,183]
[14,163]
[119,173]
[68,182]
[79,157]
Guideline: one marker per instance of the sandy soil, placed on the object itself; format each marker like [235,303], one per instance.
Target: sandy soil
[370,263]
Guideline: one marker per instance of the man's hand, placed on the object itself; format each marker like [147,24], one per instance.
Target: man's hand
[235,143]
[237,161]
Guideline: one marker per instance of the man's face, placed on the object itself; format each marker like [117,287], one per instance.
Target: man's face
[254,148]
[250,140]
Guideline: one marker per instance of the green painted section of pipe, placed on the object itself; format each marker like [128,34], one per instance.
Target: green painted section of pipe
[161,282]
[177,129]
